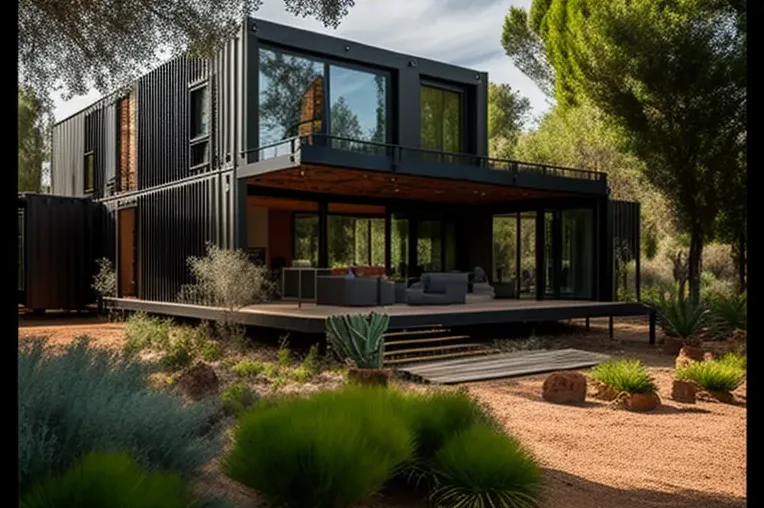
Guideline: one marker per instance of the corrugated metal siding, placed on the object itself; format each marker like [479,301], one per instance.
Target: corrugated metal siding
[173,224]
[626,242]
[63,238]
[67,157]
[164,120]
[228,109]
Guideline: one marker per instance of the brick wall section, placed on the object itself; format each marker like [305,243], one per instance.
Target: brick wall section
[123,158]
[133,165]
[311,108]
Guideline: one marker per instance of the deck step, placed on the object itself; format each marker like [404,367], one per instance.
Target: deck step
[424,341]
[432,349]
[427,358]
[407,333]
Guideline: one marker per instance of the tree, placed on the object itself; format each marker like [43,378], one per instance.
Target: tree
[526,49]
[345,123]
[507,113]
[671,76]
[102,44]
[33,128]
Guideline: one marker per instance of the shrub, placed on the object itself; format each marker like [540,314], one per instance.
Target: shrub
[480,467]
[712,288]
[248,368]
[714,376]
[285,355]
[330,450]
[209,351]
[106,479]
[181,348]
[656,273]
[718,260]
[681,317]
[358,339]
[729,314]
[87,399]
[735,360]
[628,376]
[105,279]
[436,417]
[146,332]
[237,398]
[311,363]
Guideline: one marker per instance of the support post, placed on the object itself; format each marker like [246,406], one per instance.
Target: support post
[610,327]
[588,324]
[652,327]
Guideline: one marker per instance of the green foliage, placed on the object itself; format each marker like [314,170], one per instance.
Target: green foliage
[729,314]
[182,347]
[108,479]
[285,354]
[483,468]
[438,416]
[88,399]
[237,398]
[210,351]
[358,339]
[624,376]
[105,279]
[526,49]
[330,450]
[507,112]
[248,368]
[714,376]
[311,360]
[735,360]
[33,148]
[146,332]
[681,317]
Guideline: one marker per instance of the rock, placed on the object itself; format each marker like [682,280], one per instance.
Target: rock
[672,345]
[708,356]
[368,377]
[642,402]
[603,392]
[198,381]
[684,391]
[725,397]
[564,387]
[688,354]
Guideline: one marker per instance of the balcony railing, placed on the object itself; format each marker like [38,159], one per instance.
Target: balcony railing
[399,153]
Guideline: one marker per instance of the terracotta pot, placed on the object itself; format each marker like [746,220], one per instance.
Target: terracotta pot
[368,377]
[642,402]
[603,392]
[684,391]
[672,345]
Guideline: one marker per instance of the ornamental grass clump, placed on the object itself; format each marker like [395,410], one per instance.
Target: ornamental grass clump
[713,376]
[481,468]
[624,376]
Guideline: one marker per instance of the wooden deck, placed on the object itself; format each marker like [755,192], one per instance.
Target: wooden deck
[521,363]
[310,318]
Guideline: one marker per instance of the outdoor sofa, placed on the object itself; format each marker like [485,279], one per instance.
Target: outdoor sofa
[439,288]
[352,291]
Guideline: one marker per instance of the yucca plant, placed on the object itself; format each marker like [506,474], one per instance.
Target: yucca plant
[714,376]
[729,313]
[681,317]
[624,376]
[481,468]
[358,338]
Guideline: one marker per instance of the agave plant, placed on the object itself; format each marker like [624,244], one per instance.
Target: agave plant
[682,317]
[729,314]
[358,338]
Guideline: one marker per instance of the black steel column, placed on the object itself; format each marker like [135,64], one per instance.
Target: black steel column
[540,268]
[240,214]
[556,240]
[323,234]
[413,232]
[518,257]
[388,240]
[637,250]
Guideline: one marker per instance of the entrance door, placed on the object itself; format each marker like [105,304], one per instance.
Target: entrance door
[126,238]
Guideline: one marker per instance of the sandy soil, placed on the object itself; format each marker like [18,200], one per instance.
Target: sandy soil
[679,456]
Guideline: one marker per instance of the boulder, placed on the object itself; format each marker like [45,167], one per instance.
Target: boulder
[368,377]
[684,391]
[563,387]
[198,381]
[672,345]
[725,397]
[689,354]
[603,392]
[642,402]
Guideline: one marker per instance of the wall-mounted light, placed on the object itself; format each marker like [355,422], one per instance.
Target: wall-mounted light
[412,63]
[477,77]
[302,172]
[347,47]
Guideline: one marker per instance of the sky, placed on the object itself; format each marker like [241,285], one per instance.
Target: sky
[460,32]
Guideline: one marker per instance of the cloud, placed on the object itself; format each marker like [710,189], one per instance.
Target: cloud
[460,32]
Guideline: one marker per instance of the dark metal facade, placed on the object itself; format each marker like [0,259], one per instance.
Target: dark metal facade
[62,237]
[626,245]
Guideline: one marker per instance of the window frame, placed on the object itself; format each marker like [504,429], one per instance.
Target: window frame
[85,171]
[463,127]
[195,141]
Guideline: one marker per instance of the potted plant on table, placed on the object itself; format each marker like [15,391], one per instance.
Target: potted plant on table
[359,341]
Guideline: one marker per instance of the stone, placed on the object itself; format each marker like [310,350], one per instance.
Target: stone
[642,402]
[198,381]
[708,356]
[672,345]
[368,377]
[603,392]
[687,355]
[684,391]
[725,397]
[561,387]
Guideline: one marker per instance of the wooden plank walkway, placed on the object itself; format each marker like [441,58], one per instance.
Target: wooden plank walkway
[520,363]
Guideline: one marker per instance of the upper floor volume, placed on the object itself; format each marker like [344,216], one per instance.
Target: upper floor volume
[277,97]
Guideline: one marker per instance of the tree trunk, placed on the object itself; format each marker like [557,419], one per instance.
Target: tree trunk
[696,253]
[741,264]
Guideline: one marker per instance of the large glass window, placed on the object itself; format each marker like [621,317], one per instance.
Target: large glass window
[21,249]
[505,248]
[441,114]
[577,253]
[306,238]
[200,131]
[355,241]
[429,246]
[291,99]
[358,107]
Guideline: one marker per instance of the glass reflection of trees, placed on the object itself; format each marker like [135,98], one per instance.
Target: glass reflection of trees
[358,107]
[441,117]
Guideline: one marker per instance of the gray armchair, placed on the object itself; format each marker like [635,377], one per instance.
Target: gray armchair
[351,291]
[439,289]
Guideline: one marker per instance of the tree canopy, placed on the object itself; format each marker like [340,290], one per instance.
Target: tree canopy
[33,127]
[73,47]
[507,113]
[671,78]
